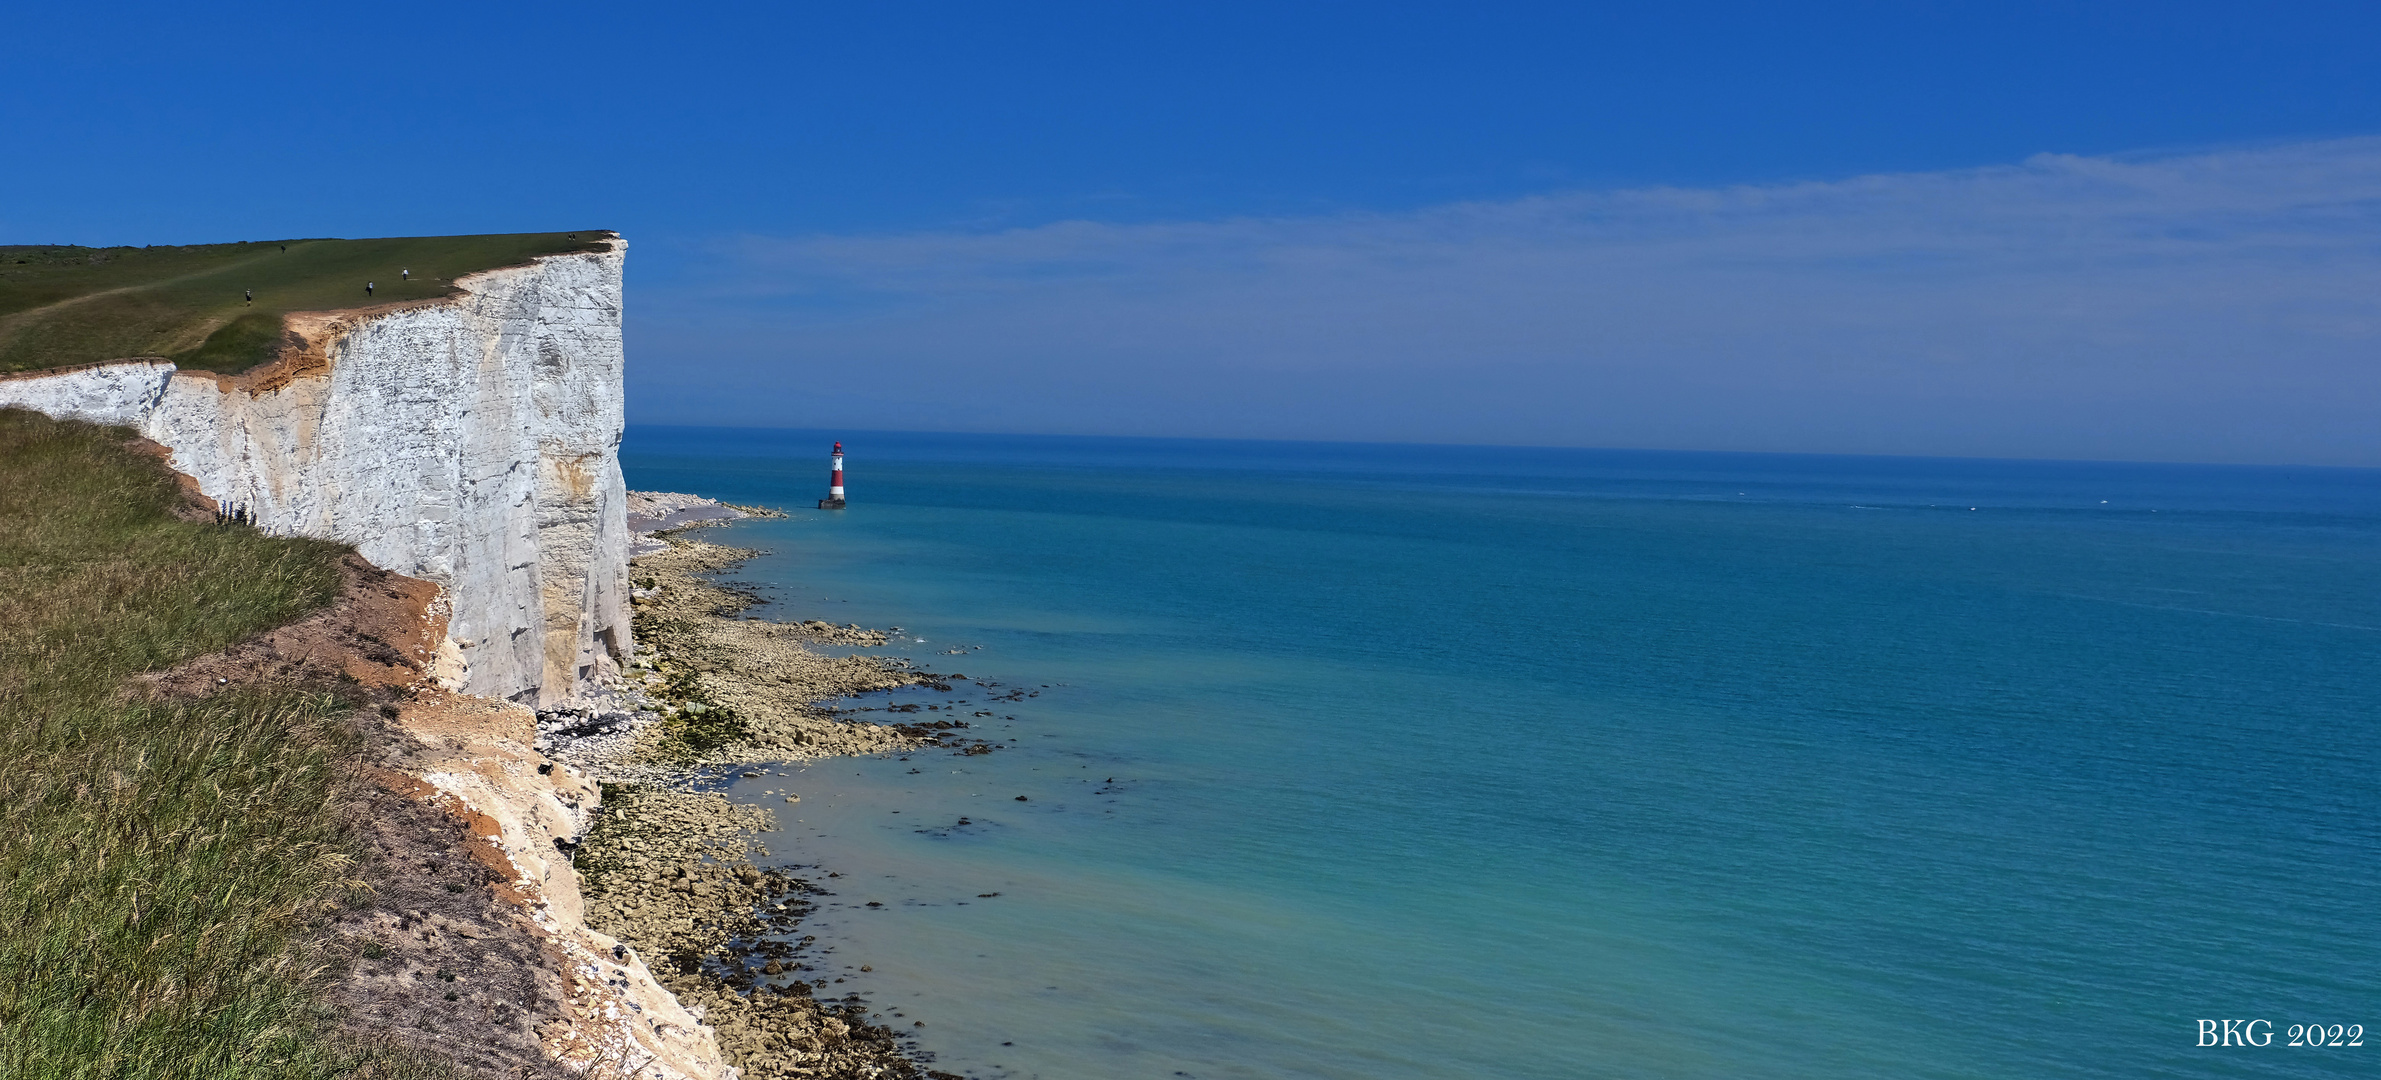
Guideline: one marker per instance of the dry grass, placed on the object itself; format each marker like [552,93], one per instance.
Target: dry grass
[162,858]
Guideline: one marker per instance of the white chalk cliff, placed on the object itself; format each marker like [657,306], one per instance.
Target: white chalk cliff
[472,442]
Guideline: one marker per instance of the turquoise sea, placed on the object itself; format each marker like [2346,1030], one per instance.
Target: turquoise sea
[1399,762]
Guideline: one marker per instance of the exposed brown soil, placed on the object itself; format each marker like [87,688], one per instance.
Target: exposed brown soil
[431,956]
[448,942]
[373,640]
[439,945]
[424,952]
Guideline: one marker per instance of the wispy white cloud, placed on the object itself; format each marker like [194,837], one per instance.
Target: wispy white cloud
[2220,305]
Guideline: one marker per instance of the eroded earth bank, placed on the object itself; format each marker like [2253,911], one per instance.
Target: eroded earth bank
[553,895]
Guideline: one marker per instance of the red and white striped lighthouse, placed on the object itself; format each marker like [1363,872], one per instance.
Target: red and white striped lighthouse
[834,499]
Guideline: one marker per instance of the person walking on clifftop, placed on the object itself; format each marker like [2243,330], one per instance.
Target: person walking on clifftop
[367,288]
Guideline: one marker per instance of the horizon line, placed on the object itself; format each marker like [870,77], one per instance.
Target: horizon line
[2179,463]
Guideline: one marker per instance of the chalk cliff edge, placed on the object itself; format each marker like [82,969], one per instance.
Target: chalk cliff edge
[471,441]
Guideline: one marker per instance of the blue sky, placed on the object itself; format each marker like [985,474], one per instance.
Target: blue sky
[2108,231]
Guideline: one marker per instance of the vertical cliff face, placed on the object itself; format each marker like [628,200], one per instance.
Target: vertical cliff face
[472,442]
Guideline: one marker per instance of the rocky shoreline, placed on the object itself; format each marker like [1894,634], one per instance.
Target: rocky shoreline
[669,873]
[668,869]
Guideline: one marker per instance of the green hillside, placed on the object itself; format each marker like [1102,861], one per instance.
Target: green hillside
[62,305]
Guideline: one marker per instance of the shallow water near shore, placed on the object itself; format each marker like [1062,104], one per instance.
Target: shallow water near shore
[1430,762]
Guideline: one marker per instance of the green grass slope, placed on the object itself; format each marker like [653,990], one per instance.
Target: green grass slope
[160,858]
[62,305]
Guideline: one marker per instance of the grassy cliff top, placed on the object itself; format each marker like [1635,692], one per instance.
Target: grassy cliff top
[63,305]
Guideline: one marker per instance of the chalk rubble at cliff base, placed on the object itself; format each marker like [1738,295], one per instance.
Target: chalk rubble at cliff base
[698,661]
[756,671]
[670,875]
[669,871]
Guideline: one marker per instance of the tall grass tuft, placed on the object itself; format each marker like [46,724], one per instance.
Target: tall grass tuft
[161,858]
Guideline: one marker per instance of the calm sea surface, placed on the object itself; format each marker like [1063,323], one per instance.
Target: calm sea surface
[1396,762]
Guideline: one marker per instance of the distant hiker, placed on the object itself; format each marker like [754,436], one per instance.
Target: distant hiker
[251,295]
[367,288]
[408,274]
